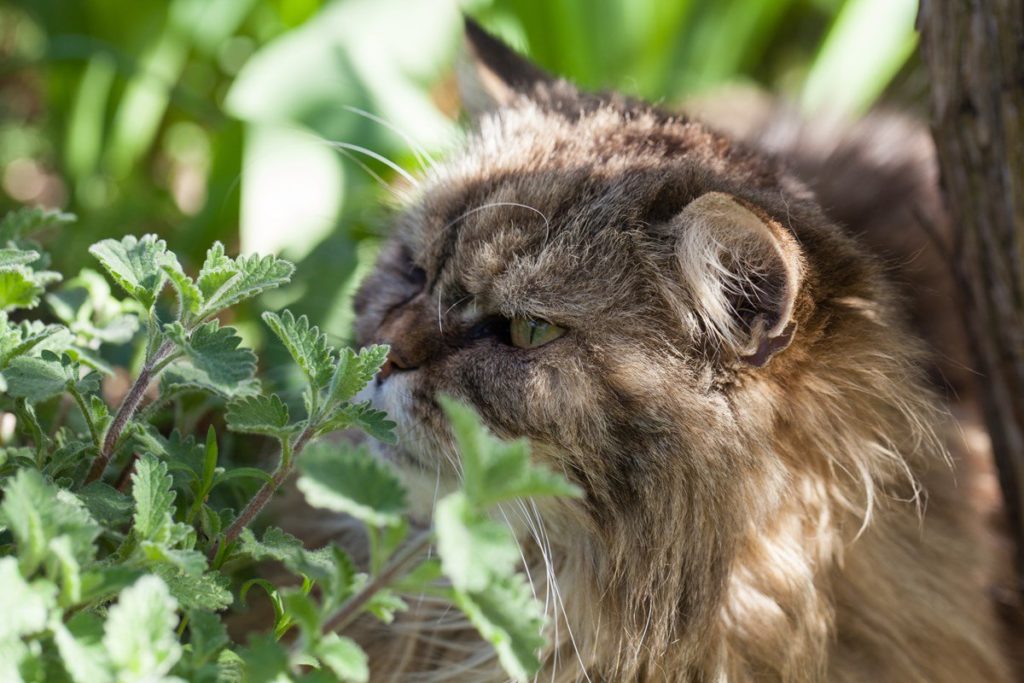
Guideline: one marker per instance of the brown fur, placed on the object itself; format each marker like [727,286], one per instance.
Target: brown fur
[787,520]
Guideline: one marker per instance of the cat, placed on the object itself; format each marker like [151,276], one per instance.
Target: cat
[676,321]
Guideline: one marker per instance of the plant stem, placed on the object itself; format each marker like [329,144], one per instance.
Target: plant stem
[266,492]
[80,400]
[400,564]
[125,412]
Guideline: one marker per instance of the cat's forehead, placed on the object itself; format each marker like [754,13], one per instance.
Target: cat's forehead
[540,202]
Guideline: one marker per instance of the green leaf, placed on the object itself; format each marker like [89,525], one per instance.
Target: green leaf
[473,548]
[18,340]
[70,570]
[189,295]
[511,620]
[266,661]
[191,562]
[25,606]
[196,591]
[301,609]
[80,644]
[207,635]
[218,362]
[17,257]
[279,546]
[19,288]
[384,604]
[17,224]
[35,379]
[493,470]
[342,656]
[306,344]
[372,421]
[217,269]
[139,632]
[134,264]
[106,504]
[36,512]
[259,415]
[351,481]
[154,499]
[354,371]
[252,276]
[230,668]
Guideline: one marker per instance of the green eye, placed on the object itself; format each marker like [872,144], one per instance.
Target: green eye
[529,334]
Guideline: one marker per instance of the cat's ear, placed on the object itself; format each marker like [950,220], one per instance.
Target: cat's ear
[495,75]
[743,272]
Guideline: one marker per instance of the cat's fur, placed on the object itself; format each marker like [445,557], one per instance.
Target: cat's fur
[737,393]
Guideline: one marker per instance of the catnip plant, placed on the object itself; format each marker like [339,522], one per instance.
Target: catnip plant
[126,519]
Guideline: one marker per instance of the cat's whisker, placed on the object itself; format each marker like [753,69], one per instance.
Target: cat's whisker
[373,174]
[491,205]
[418,150]
[374,155]
[556,589]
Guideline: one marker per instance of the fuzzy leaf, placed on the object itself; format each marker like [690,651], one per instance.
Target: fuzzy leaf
[80,644]
[258,415]
[36,512]
[493,470]
[134,264]
[252,276]
[139,633]
[196,591]
[106,504]
[306,344]
[217,269]
[18,340]
[219,363]
[16,224]
[342,656]
[35,379]
[351,481]
[354,371]
[189,295]
[374,422]
[17,257]
[207,635]
[384,604]
[511,620]
[154,499]
[363,415]
[473,547]
[25,606]
[19,288]
[266,660]
[282,547]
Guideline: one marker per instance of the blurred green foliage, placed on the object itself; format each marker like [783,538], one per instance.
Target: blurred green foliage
[205,120]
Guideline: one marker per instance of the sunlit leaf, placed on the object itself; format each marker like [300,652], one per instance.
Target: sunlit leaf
[306,344]
[134,264]
[511,620]
[341,479]
[139,631]
[258,415]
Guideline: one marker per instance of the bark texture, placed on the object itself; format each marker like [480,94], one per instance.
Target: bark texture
[974,51]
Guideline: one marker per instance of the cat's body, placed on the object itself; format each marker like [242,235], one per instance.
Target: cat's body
[736,391]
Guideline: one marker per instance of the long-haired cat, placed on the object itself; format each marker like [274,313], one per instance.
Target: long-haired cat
[678,323]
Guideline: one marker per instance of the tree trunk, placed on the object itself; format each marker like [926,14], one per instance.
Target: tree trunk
[974,52]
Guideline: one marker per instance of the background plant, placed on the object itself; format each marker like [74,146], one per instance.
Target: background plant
[120,557]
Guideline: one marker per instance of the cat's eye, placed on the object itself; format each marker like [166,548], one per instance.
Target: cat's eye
[527,333]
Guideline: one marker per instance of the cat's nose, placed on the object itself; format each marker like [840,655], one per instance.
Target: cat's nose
[392,363]
[411,333]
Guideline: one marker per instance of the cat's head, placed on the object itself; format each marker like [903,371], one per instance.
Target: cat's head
[640,298]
